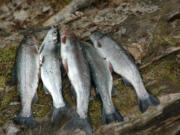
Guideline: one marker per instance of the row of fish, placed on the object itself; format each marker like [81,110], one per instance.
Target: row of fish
[83,63]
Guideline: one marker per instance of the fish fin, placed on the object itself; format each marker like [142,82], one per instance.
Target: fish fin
[131,57]
[108,118]
[110,67]
[45,89]
[66,66]
[73,92]
[126,82]
[35,98]
[79,123]
[114,91]
[28,121]
[58,113]
[144,103]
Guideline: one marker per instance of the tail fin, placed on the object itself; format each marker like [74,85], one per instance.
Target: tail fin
[28,121]
[58,113]
[108,118]
[145,103]
[78,123]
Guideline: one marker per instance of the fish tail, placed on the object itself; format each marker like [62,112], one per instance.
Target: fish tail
[79,123]
[108,118]
[58,113]
[28,121]
[145,103]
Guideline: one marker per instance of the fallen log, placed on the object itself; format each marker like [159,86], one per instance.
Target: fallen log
[67,11]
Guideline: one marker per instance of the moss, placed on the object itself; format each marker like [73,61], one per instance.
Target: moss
[163,39]
[125,98]
[95,112]
[41,110]
[7,58]
[1,122]
[2,81]
[40,89]
[8,54]
[7,98]
[165,72]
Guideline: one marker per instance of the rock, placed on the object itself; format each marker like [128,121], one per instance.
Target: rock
[46,8]
[4,8]
[6,25]
[14,103]
[21,15]
[144,8]
[10,128]
[109,17]
[18,2]
[138,50]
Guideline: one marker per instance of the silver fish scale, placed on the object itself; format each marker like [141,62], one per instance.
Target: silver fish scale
[101,75]
[50,69]
[78,73]
[27,76]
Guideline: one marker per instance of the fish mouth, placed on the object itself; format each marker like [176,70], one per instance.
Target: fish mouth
[30,40]
[96,36]
[66,34]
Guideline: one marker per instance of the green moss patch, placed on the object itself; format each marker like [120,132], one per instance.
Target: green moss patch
[7,58]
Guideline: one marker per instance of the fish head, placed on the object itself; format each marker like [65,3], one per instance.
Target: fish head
[96,38]
[66,37]
[29,40]
[53,34]
[99,41]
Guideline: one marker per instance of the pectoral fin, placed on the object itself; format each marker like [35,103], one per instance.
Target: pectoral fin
[110,67]
[66,66]
[126,82]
